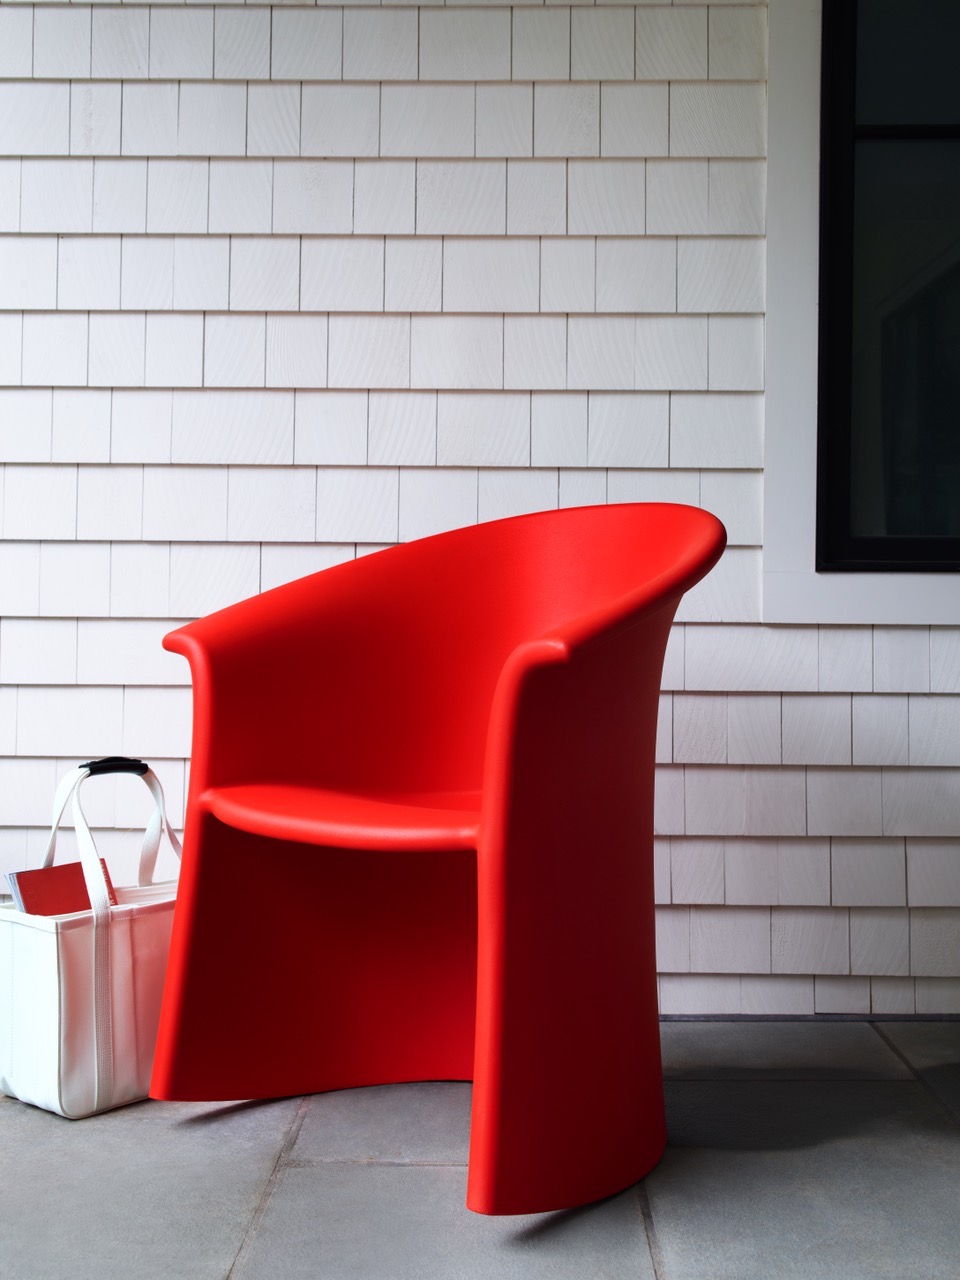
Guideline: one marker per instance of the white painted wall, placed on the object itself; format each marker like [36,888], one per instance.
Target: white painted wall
[282,286]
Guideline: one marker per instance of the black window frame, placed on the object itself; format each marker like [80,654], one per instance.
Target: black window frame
[837,549]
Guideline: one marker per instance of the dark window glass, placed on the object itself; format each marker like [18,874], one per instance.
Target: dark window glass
[889,442]
[907,61]
[905,403]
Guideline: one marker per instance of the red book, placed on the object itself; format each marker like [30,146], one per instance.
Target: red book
[55,891]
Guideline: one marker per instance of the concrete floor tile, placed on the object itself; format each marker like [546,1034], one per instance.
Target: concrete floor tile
[151,1191]
[933,1050]
[784,1050]
[397,1123]
[801,1151]
[332,1221]
[802,1180]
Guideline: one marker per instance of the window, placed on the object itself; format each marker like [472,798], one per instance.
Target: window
[888,465]
[793,592]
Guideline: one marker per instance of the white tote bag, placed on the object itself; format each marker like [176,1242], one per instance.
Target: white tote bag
[80,993]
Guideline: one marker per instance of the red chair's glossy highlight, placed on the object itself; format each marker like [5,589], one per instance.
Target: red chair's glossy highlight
[419,840]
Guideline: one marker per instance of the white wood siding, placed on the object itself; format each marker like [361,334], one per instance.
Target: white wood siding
[282,285]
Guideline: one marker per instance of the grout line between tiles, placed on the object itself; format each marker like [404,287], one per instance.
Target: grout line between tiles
[650,1228]
[808,1017]
[366,1161]
[276,1173]
[895,1050]
[918,1076]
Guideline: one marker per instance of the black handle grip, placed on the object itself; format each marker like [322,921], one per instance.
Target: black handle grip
[116,764]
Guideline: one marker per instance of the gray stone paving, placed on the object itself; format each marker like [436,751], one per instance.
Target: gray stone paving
[820,1150]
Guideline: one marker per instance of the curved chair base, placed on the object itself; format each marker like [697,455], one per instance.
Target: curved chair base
[564,1175]
[375,982]
[646,1160]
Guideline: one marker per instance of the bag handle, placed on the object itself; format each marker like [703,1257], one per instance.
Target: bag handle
[157,824]
[99,895]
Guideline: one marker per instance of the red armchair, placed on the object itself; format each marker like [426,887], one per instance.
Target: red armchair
[419,840]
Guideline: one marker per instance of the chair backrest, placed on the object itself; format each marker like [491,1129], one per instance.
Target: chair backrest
[533,573]
[523,576]
[421,632]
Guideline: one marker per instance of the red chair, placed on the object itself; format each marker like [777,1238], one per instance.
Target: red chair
[419,840]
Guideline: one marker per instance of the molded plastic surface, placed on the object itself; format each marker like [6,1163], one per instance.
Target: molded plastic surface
[419,840]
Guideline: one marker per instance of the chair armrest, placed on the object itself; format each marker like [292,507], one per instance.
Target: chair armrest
[263,670]
[340,680]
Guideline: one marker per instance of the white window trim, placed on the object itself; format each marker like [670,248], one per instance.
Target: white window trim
[792,590]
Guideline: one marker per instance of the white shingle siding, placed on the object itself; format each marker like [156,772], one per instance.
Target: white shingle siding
[279,286]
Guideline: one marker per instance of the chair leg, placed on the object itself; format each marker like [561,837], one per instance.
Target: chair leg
[568,1092]
[567,1096]
[295,969]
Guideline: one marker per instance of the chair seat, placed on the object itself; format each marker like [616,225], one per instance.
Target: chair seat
[350,820]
